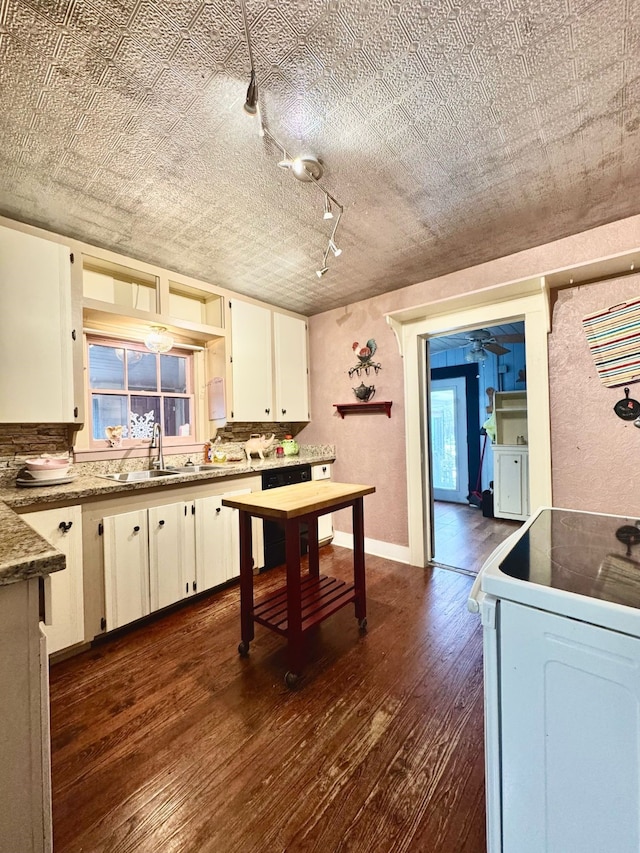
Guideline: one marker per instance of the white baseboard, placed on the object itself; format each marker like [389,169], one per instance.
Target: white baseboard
[398,553]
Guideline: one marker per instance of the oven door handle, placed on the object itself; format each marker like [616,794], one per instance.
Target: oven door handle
[476,595]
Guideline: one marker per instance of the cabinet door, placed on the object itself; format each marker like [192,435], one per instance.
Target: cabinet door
[217,541]
[171,553]
[252,363]
[35,330]
[511,483]
[212,535]
[126,567]
[64,604]
[570,729]
[290,354]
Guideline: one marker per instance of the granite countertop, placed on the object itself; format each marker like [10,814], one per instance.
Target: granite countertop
[24,554]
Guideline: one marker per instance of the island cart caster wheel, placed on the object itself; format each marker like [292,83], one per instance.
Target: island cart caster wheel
[243,649]
[291,679]
[362,624]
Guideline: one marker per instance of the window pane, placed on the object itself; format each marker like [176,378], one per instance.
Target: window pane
[145,412]
[176,416]
[142,368]
[173,374]
[108,410]
[106,367]
[443,439]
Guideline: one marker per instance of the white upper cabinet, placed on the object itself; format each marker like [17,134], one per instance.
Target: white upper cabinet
[36,345]
[291,374]
[251,362]
[268,365]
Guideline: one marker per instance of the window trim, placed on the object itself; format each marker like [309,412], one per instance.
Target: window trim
[181,444]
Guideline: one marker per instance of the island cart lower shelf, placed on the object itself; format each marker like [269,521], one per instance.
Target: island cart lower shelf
[321,597]
[306,601]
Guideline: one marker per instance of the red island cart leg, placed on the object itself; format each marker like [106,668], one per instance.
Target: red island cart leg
[314,551]
[246,583]
[358,564]
[295,650]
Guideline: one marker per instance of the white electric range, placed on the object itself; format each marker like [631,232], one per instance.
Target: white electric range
[559,602]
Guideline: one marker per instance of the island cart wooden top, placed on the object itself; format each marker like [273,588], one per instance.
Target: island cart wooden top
[299,499]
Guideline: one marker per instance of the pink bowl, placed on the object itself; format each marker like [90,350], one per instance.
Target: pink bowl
[45,463]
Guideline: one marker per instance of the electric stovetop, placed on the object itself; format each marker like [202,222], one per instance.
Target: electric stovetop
[587,554]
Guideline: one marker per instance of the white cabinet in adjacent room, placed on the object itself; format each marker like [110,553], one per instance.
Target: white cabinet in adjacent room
[63,591]
[511,482]
[126,567]
[35,330]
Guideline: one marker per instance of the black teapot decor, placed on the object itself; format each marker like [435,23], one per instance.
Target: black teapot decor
[364,393]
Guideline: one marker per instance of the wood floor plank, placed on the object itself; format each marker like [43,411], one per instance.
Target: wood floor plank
[164,739]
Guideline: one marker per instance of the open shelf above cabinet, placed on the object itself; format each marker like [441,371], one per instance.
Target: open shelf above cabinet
[354,408]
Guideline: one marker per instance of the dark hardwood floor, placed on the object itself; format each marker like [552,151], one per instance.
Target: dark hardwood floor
[464,538]
[164,740]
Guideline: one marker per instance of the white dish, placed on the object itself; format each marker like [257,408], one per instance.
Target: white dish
[25,480]
[47,463]
[48,474]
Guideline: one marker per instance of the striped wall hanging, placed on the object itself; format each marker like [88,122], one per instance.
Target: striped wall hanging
[613,336]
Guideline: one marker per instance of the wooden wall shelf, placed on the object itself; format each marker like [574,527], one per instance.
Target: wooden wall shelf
[352,408]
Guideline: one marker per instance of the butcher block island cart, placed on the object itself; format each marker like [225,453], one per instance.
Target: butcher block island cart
[304,602]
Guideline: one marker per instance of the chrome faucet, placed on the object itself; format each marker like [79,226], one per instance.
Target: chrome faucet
[156,441]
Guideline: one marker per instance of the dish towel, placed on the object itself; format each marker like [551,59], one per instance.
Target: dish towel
[613,335]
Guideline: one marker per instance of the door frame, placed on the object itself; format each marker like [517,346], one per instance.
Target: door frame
[526,300]
[468,372]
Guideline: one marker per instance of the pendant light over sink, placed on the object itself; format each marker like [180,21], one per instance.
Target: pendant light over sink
[158,339]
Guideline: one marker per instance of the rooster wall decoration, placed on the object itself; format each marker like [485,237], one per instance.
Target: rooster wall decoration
[365,355]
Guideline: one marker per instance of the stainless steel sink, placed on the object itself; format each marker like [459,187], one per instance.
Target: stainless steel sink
[197,469]
[139,476]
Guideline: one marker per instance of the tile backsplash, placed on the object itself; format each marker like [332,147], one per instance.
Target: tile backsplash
[18,439]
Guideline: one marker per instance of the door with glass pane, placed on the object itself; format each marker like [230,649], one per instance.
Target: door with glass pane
[448,429]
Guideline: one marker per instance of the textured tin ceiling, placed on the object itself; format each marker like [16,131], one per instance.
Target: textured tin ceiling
[452,132]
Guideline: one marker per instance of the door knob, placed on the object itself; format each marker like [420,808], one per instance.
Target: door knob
[65,526]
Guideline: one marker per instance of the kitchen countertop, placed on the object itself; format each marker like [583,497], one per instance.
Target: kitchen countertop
[24,554]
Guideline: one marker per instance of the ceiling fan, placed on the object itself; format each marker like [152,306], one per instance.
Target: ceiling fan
[482,339]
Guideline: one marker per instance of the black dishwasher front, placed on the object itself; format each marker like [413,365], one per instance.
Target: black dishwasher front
[274,541]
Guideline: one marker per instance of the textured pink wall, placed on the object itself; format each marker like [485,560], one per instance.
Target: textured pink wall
[595,454]
[371,448]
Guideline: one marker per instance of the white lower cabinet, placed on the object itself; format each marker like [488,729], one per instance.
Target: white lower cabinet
[511,482]
[126,567]
[171,553]
[217,541]
[325,524]
[157,556]
[63,591]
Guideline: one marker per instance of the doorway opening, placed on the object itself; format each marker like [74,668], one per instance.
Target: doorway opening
[465,371]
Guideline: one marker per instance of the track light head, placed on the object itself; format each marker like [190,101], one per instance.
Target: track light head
[328,213]
[251,102]
[336,251]
[322,271]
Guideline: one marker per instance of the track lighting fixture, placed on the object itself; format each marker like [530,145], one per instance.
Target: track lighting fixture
[251,103]
[305,168]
